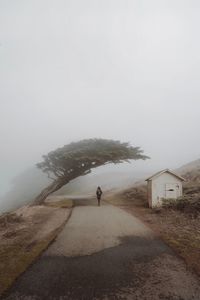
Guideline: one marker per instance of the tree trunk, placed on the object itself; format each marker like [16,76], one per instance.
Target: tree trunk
[53,187]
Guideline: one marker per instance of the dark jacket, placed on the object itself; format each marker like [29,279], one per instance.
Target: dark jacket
[99,192]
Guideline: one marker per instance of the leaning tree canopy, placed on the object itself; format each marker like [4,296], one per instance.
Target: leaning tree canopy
[78,158]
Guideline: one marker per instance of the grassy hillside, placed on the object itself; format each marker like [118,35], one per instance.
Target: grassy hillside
[190,202]
[27,185]
[178,222]
[191,172]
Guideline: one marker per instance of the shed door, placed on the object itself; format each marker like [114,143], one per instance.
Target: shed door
[172,190]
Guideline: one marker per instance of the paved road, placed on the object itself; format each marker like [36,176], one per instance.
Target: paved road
[106,253]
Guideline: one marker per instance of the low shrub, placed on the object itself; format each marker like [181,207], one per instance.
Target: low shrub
[186,204]
[10,218]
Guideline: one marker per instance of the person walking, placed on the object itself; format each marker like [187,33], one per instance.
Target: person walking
[99,193]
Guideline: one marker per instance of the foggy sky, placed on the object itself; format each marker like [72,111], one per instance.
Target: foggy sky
[73,69]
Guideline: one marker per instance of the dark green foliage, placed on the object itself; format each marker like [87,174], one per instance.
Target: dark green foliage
[78,159]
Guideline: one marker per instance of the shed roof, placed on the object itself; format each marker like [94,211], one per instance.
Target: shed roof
[165,171]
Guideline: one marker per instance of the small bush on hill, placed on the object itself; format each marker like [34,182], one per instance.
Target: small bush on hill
[9,218]
[187,204]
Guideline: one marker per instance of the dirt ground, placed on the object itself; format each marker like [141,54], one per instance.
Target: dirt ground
[24,234]
[180,231]
[106,253]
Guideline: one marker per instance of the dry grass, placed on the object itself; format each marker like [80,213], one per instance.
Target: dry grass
[9,218]
[64,203]
[19,246]
[181,231]
[14,259]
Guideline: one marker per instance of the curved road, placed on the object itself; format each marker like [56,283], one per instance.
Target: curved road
[106,253]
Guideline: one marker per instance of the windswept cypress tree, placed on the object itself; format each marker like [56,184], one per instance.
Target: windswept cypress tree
[77,159]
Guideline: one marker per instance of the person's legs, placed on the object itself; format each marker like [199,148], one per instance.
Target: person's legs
[99,200]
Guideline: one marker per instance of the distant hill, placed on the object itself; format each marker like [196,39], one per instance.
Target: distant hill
[24,188]
[109,180]
[191,172]
[27,185]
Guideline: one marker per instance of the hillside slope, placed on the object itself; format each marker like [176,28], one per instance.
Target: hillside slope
[191,172]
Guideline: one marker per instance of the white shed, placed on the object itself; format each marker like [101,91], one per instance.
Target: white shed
[164,185]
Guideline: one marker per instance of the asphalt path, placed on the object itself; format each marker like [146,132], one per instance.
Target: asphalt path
[106,253]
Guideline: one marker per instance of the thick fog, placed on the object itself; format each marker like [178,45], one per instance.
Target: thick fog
[125,70]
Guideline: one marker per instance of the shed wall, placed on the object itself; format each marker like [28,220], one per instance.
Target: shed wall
[149,193]
[159,187]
